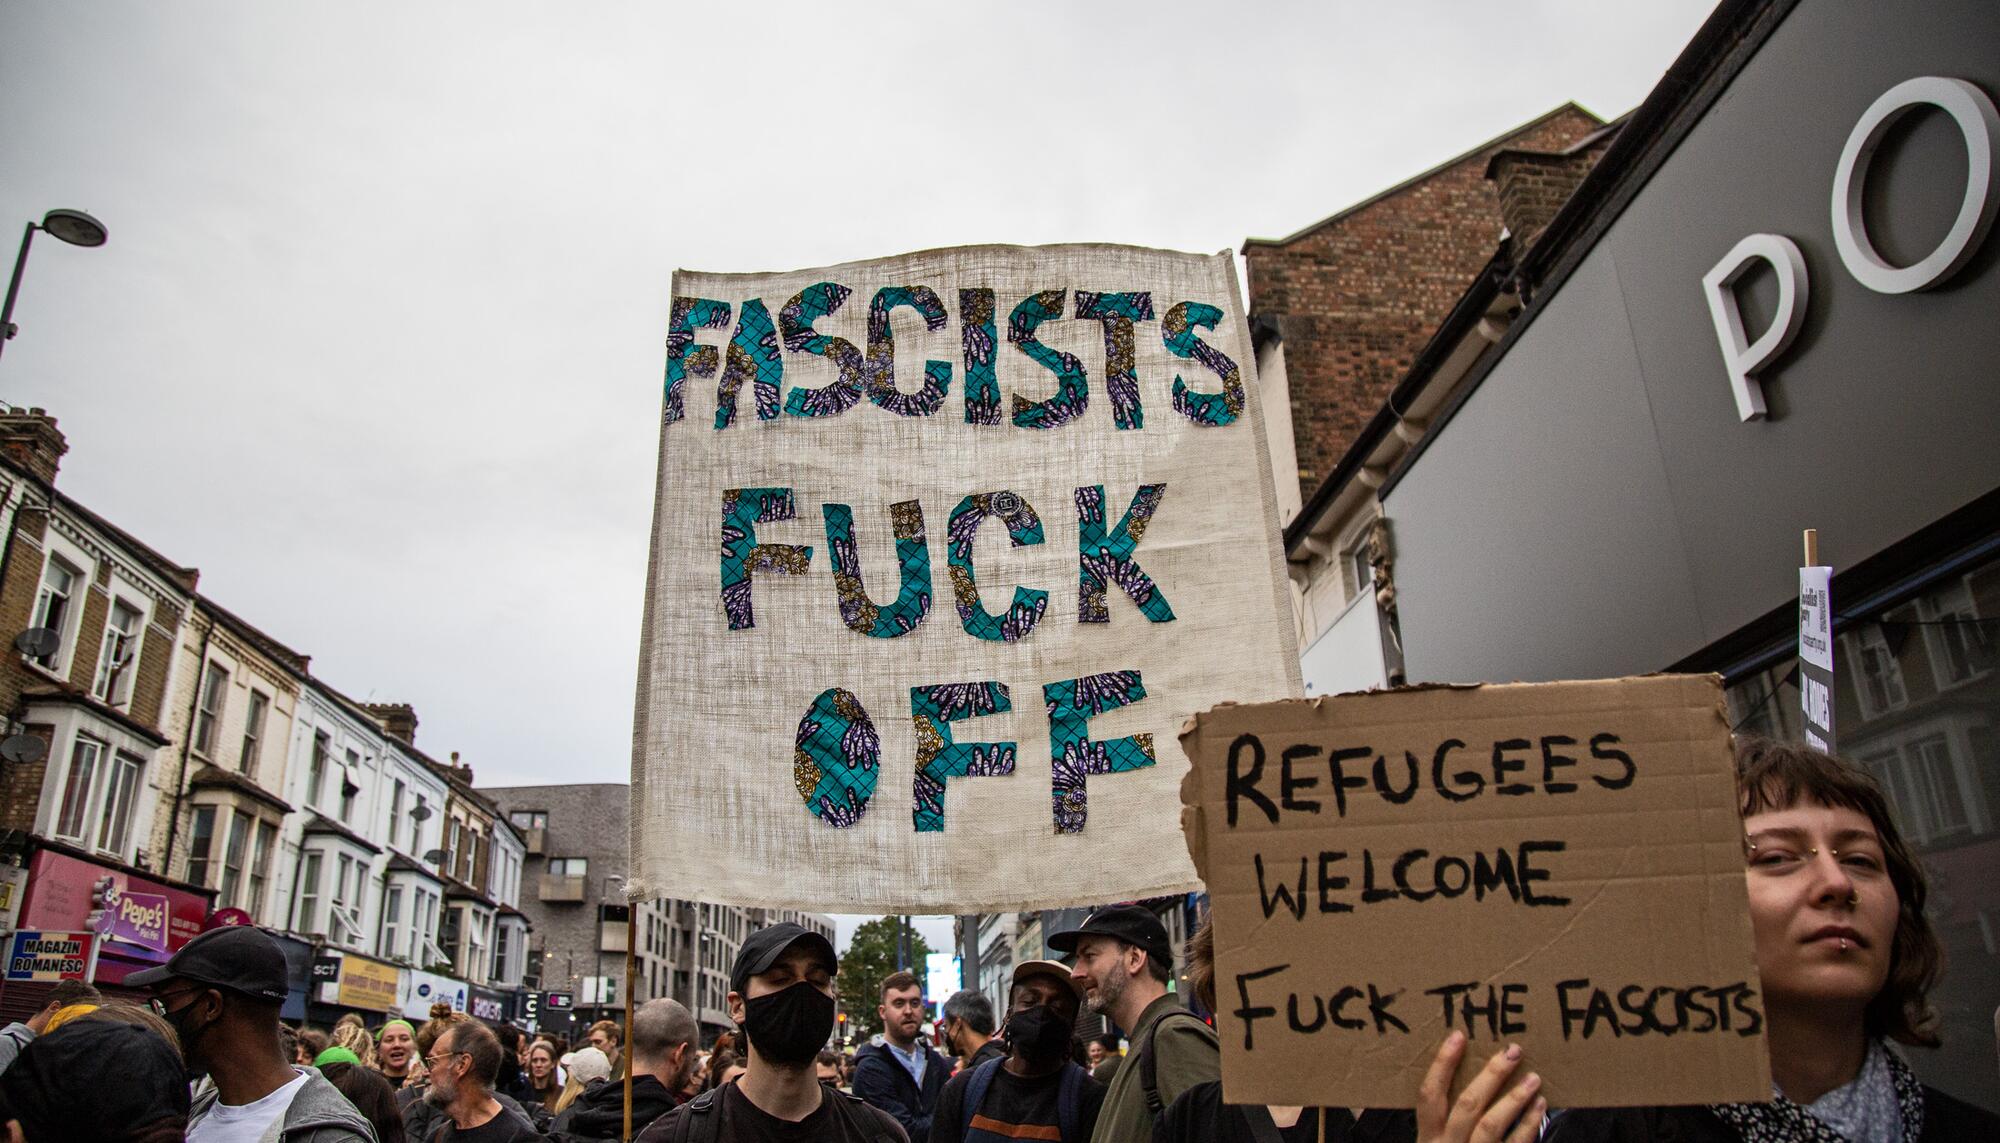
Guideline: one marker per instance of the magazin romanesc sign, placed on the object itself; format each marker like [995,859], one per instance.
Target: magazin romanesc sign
[946,547]
[1558,865]
[48,956]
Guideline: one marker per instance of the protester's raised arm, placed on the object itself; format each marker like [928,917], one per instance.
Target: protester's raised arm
[1487,1107]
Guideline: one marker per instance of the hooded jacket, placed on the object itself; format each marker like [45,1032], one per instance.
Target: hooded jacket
[318,1114]
[599,1113]
[882,1080]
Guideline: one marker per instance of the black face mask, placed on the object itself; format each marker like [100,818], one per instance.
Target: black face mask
[790,1026]
[1039,1035]
[189,1033]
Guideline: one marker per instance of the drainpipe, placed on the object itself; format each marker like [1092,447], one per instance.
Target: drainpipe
[180,782]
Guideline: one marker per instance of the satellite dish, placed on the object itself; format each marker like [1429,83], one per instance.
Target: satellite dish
[422,813]
[37,642]
[24,747]
[434,856]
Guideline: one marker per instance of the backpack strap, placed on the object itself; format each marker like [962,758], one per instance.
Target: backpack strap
[1149,1067]
[700,1124]
[975,1092]
[854,1111]
[1069,1101]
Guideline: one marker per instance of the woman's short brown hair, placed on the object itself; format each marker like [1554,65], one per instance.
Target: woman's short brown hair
[1773,775]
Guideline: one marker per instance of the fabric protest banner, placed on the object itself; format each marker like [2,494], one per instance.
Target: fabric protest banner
[945,548]
[1558,865]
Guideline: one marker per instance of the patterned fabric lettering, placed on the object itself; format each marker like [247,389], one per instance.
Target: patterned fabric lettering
[913,557]
[684,358]
[1209,409]
[939,757]
[742,510]
[1071,704]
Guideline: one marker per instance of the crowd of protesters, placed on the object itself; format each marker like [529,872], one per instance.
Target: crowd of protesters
[208,1059]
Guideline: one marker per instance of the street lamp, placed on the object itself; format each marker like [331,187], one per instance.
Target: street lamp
[72,226]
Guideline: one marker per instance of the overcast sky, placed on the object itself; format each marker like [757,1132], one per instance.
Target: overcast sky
[376,342]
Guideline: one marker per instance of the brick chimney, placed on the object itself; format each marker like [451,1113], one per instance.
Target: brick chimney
[1533,185]
[462,769]
[30,439]
[398,719]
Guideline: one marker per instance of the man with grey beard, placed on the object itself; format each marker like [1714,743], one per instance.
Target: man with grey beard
[463,1064]
[1123,964]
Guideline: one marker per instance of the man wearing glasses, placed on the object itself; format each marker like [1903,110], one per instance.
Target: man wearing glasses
[463,1064]
[222,993]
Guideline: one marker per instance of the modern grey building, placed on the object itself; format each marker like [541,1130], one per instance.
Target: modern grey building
[1768,307]
[573,893]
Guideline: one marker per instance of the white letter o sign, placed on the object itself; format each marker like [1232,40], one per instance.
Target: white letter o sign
[1979,123]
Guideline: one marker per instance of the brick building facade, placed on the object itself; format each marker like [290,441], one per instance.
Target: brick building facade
[1355,296]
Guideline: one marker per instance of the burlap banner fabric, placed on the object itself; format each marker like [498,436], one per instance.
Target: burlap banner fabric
[946,547]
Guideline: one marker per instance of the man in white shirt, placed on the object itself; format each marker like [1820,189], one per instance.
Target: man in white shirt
[222,993]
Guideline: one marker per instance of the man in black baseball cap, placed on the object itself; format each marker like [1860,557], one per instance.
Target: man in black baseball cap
[222,992]
[1123,963]
[781,994]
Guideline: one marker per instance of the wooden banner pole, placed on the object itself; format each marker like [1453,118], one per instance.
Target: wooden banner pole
[631,966]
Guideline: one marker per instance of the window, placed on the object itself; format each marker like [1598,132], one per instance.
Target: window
[345,926]
[348,786]
[449,936]
[308,896]
[201,835]
[208,715]
[396,814]
[1881,676]
[83,763]
[121,796]
[392,921]
[316,777]
[499,973]
[232,858]
[1940,802]
[569,867]
[121,645]
[423,928]
[53,605]
[260,865]
[456,835]
[476,940]
[1960,646]
[529,819]
[253,729]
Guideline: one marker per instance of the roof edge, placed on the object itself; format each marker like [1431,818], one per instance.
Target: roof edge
[1413,180]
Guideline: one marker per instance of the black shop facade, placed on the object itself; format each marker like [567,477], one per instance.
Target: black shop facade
[1771,307]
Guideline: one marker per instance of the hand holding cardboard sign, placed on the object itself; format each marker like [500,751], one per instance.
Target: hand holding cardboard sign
[1486,1108]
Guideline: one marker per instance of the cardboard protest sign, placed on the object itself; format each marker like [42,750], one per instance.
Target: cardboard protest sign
[1816,655]
[1557,865]
[946,547]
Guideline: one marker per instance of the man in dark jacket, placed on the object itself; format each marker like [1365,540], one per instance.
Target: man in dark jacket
[965,1029]
[896,1072]
[663,1057]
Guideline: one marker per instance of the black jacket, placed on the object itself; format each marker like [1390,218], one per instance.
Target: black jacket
[882,1080]
[599,1113]
[1945,1119]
